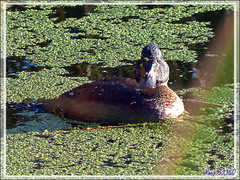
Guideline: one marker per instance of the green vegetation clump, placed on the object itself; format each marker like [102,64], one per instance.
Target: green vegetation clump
[45,144]
[45,84]
[122,31]
[88,152]
[177,147]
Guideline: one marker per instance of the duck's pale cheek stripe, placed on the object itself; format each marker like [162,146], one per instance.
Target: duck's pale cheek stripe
[150,79]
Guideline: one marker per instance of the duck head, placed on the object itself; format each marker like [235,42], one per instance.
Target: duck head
[151,71]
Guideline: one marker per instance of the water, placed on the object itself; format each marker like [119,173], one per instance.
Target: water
[19,64]
[182,75]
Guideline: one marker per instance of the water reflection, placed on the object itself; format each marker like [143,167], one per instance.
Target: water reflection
[14,119]
[18,64]
[180,73]
[64,12]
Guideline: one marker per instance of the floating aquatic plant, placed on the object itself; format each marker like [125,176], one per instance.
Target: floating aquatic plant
[187,147]
[124,29]
[112,33]
[45,84]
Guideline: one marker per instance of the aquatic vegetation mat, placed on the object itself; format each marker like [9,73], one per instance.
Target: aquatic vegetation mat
[110,35]
[45,84]
[175,147]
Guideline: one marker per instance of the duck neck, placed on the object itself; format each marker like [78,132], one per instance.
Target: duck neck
[163,84]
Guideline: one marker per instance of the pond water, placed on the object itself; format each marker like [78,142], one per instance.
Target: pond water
[208,140]
[182,74]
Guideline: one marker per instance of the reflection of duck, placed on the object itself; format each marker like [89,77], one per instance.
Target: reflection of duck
[114,100]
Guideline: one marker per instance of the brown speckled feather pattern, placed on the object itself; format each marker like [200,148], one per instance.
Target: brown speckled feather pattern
[113,100]
[109,101]
[161,100]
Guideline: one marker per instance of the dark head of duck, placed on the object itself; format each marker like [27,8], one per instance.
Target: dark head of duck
[123,100]
[151,70]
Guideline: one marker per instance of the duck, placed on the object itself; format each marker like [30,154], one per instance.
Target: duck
[117,100]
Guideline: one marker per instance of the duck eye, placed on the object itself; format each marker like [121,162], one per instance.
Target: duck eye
[146,59]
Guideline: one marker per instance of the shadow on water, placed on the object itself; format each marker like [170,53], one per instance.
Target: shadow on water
[64,12]
[180,76]
[19,64]
[12,117]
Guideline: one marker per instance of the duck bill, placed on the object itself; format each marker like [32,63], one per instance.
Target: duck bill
[149,79]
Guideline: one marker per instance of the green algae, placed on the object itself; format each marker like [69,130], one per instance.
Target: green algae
[124,29]
[207,140]
[221,97]
[206,148]
[38,122]
[95,152]
[212,141]
[34,121]
[186,147]
[45,84]
[189,146]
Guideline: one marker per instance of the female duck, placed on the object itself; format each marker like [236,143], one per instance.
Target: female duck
[124,100]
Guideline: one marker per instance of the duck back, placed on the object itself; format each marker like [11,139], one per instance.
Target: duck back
[110,101]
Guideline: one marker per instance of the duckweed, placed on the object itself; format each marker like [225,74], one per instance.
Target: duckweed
[172,147]
[123,28]
[45,84]
[40,147]
[96,152]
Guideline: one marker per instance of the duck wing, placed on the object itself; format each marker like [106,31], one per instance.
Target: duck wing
[110,100]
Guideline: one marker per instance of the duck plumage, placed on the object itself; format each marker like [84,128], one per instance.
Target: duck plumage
[124,100]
